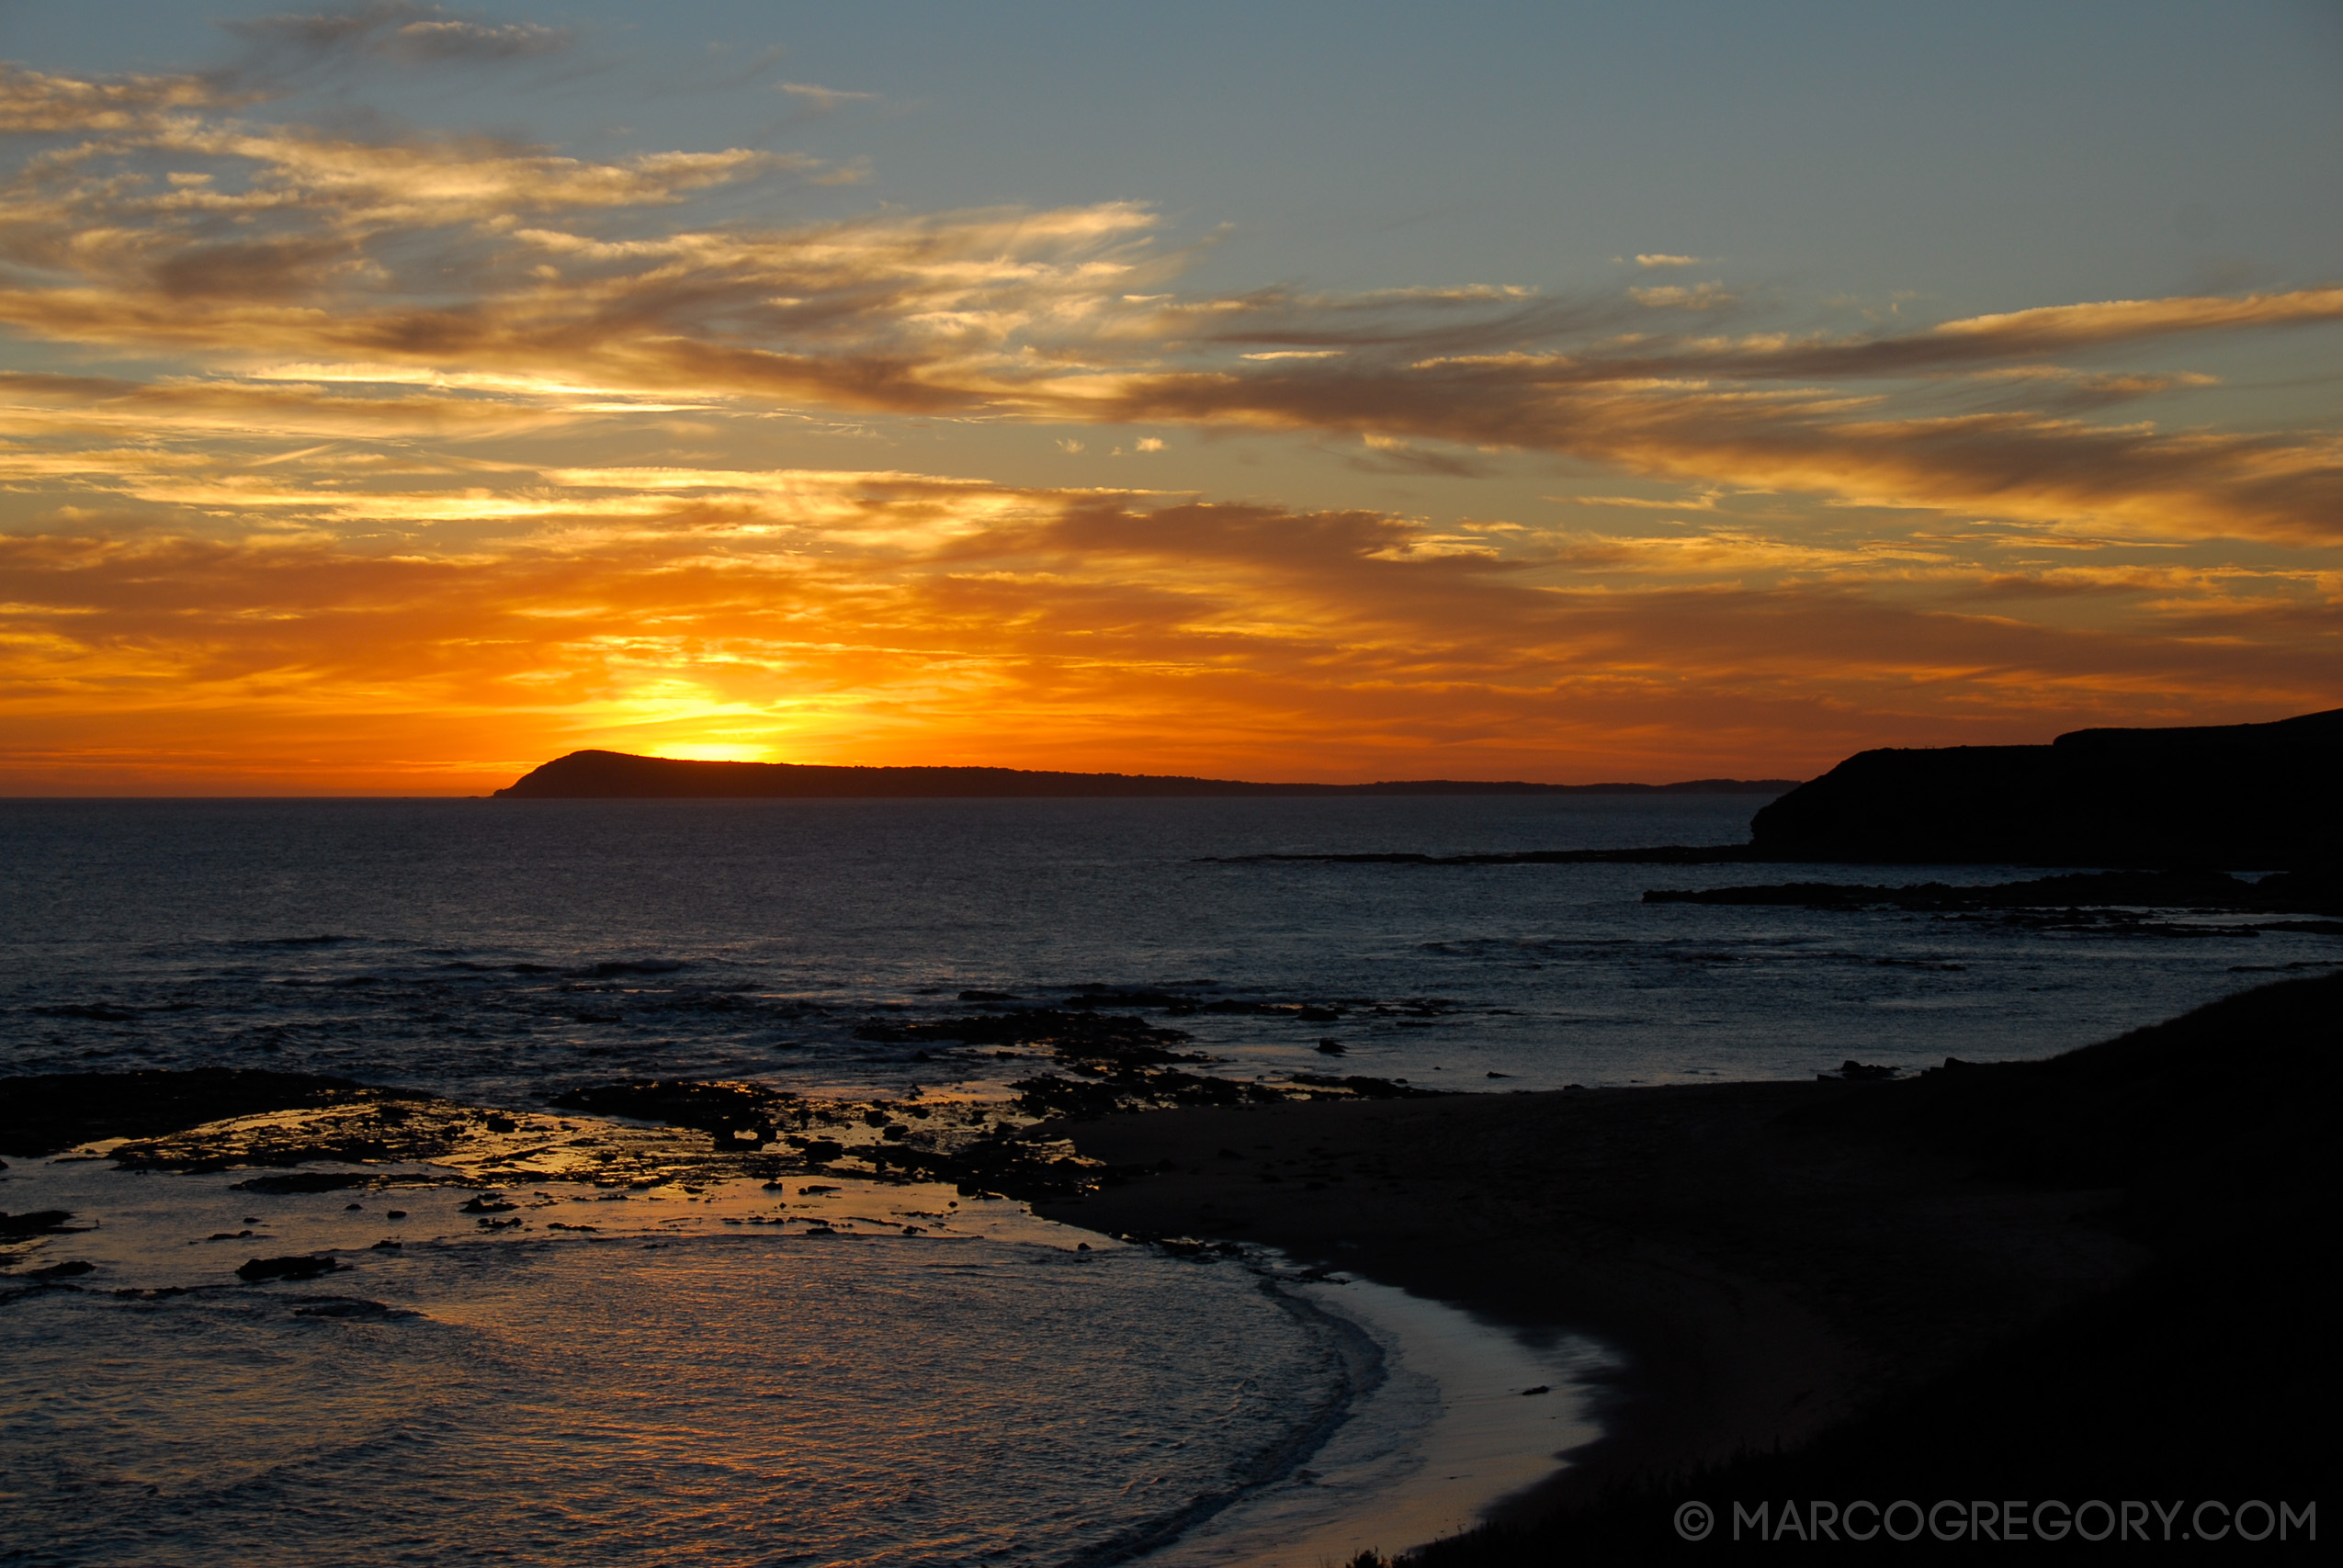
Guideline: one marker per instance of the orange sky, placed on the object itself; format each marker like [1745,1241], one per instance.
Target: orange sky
[342,461]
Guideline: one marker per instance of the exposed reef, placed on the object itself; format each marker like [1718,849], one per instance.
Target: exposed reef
[1658,855]
[642,1132]
[2240,795]
[2084,899]
[616,775]
[47,1114]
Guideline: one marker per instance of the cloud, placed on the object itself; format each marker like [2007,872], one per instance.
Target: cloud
[405,33]
[344,485]
[35,102]
[1700,296]
[282,243]
[822,99]
[1389,455]
[1654,259]
[329,604]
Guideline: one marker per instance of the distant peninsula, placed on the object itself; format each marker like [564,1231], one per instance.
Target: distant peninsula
[2237,797]
[616,775]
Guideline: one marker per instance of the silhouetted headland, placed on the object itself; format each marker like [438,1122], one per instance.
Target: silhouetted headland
[617,775]
[2237,795]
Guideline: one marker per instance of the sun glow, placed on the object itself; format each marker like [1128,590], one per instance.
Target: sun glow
[463,455]
[714,751]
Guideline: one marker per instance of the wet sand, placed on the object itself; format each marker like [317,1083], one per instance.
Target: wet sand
[1772,1259]
[1763,1277]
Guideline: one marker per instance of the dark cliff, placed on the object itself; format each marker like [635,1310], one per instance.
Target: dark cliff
[614,775]
[2238,796]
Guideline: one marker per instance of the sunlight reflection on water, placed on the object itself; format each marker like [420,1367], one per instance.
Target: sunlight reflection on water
[708,1401]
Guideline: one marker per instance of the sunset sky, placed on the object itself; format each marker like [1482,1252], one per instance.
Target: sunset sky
[395,397]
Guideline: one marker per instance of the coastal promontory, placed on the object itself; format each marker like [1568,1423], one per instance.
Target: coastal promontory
[2238,796]
[617,775]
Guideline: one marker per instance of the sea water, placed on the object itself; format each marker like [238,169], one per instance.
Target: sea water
[508,950]
[987,1391]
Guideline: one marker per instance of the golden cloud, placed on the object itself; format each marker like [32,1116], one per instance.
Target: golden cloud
[904,618]
[361,509]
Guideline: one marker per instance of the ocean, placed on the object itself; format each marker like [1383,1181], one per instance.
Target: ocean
[930,1380]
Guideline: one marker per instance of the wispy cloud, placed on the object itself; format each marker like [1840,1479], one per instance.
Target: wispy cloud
[408,33]
[274,240]
[343,593]
[822,99]
[369,489]
[1698,297]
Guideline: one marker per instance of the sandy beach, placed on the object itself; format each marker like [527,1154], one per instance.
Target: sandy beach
[1775,1260]
[1763,1278]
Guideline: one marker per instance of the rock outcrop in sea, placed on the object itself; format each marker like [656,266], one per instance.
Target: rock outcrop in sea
[2237,797]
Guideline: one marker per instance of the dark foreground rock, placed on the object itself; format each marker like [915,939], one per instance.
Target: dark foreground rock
[41,1222]
[2089,1276]
[2241,796]
[56,1111]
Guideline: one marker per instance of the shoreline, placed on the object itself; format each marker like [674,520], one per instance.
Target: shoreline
[1442,1431]
[1722,1351]
[1431,1425]
[1775,1261]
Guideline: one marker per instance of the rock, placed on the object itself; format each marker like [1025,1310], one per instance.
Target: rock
[2254,796]
[487,1203]
[72,1270]
[1330,1047]
[303,1181]
[259,1269]
[52,1112]
[720,1108]
[348,1306]
[39,1222]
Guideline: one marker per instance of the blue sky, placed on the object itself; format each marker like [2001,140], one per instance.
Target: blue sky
[1985,156]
